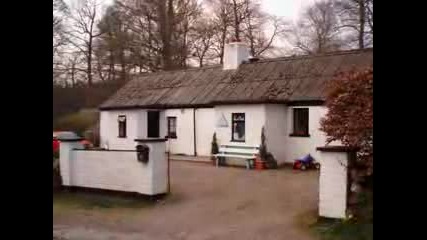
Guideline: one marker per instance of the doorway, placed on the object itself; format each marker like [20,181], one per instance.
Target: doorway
[153,124]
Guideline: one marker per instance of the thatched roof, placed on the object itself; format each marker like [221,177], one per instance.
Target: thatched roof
[280,80]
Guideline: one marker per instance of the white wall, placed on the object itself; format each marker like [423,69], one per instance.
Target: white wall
[280,125]
[116,170]
[333,185]
[109,130]
[65,153]
[136,127]
[299,146]
[277,119]
[205,127]
[184,143]
[275,130]
[254,121]
[234,54]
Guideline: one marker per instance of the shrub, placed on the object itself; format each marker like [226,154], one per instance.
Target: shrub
[77,122]
[55,155]
[214,146]
[350,120]
[265,155]
[92,134]
[350,113]
[56,175]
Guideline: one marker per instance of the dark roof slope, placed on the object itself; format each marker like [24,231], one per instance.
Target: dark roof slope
[288,79]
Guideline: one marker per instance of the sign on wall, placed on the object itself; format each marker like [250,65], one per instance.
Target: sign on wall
[222,121]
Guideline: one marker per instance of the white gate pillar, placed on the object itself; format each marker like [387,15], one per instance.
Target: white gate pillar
[333,181]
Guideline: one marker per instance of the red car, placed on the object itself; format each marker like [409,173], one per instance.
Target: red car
[67,135]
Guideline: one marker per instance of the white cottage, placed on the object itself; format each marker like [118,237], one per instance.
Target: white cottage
[234,100]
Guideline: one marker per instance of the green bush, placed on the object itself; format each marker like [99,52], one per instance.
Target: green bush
[77,122]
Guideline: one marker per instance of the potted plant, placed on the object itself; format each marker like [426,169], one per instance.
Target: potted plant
[214,148]
[266,158]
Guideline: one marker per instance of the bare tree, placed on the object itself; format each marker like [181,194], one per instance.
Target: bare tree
[85,18]
[151,35]
[203,39]
[318,29]
[112,47]
[356,16]
[187,13]
[74,72]
[159,31]
[244,20]
[222,18]
[255,26]
[60,11]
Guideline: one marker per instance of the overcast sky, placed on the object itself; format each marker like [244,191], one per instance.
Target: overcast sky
[289,9]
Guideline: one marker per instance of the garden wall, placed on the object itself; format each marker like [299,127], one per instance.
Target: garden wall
[117,170]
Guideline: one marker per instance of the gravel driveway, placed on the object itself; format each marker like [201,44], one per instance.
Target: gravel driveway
[207,203]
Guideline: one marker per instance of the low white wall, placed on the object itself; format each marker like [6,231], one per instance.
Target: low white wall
[116,170]
[333,184]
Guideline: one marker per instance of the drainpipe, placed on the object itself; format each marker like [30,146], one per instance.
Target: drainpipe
[194,131]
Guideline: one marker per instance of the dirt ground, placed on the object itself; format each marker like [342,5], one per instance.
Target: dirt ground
[207,203]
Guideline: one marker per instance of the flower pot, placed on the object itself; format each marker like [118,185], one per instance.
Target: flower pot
[259,164]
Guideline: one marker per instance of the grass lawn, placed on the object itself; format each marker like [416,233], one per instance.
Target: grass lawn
[89,201]
[357,229]
[339,230]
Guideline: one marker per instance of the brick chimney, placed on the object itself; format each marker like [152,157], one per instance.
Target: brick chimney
[234,54]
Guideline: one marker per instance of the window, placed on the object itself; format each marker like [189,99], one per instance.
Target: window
[238,127]
[122,126]
[171,127]
[300,122]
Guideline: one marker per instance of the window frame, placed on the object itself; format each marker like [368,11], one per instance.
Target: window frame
[172,134]
[295,122]
[122,124]
[232,127]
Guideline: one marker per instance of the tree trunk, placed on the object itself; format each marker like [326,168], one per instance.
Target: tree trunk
[111,65]
[89,62]
[166,26]
[223,36]
[361,23]
[73,69]
[123,66]
[236,22]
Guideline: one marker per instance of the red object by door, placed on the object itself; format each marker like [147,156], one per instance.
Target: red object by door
[55,145]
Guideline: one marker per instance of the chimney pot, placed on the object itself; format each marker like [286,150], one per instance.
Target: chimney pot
[234,54]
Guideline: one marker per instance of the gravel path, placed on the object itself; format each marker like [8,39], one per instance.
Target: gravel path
[207,203]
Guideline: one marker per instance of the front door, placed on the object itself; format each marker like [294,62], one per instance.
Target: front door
[153,119]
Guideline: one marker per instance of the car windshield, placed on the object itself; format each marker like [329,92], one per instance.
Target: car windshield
[65,135]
